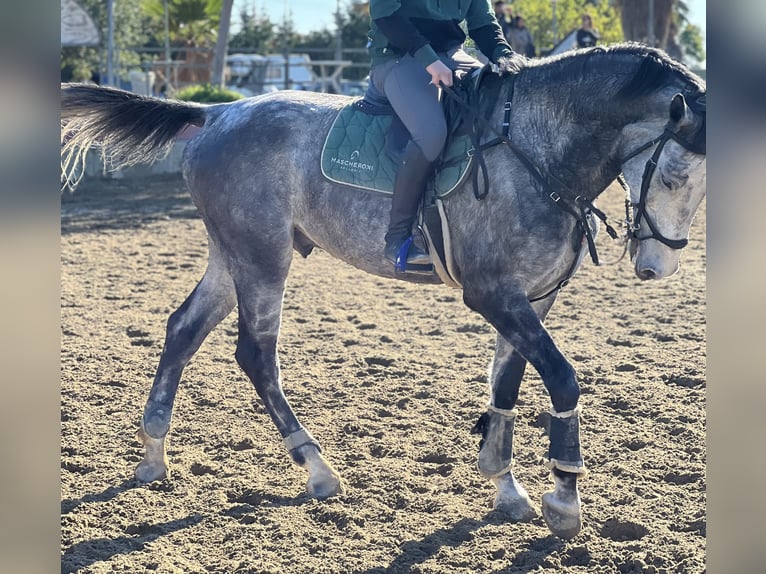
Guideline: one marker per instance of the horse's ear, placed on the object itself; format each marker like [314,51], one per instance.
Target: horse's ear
[679,111]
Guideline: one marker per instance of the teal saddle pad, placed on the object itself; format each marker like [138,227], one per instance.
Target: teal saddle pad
[354,154]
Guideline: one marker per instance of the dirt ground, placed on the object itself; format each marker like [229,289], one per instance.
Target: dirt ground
[390,377]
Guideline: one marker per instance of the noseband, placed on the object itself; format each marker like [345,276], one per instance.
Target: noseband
[697,145]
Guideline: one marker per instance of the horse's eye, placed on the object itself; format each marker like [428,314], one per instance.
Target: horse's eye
[665,181]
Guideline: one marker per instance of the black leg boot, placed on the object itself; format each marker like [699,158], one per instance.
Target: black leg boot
[408,187]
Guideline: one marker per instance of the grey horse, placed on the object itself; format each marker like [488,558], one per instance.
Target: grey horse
[577,122]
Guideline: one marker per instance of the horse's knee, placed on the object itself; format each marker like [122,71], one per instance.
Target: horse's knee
[563,389]
[179,327]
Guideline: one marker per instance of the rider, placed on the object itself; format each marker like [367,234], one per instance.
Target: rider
[415,46]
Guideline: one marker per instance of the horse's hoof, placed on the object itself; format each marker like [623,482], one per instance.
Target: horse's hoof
[516,509]
[148,471]
[324,487]
[562,517]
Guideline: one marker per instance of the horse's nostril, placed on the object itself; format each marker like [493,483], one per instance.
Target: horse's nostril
[646,274]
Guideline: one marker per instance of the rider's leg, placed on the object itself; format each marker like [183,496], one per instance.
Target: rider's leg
[408,187]
[407,86]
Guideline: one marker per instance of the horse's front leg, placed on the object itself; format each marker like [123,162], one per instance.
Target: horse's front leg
[509,311]
[496,427]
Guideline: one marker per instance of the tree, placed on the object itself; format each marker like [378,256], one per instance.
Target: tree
[354,31]
[538,17]
[354,28]
[256,33]
[692,43]
[190,22]
[672,30]
[634,15]
[192,27]
[219,56]
[86,63]
[259,34]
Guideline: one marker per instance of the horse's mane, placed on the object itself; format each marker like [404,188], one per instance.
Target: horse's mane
[634,69]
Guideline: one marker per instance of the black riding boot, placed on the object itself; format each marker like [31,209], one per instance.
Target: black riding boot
[408,187]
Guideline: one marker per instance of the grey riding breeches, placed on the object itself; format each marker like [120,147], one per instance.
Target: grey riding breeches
[406,85]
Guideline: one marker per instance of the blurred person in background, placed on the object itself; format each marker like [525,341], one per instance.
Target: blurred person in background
[504,15]
[587,35]
[521,38]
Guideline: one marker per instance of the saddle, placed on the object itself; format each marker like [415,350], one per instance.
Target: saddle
[366,142]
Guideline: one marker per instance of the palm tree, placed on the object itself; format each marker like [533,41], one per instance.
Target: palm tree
[192,25]
[219,56]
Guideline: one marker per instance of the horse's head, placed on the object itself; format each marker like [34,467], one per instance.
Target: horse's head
[667,181]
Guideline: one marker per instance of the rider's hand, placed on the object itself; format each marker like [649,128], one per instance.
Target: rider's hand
[440,74]
[510,64]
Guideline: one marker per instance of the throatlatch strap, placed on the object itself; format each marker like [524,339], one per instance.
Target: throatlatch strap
[299,438]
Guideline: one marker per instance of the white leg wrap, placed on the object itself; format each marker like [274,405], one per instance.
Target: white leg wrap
[566,466]
[564,431]
[496,453]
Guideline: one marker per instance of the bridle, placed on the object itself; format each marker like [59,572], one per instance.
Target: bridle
[697,145]
[578,206]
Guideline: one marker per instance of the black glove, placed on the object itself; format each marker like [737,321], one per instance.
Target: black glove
[510,64]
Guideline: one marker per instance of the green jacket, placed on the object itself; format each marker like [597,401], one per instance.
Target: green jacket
[424,27]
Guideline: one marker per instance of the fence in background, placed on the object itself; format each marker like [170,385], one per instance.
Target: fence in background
[191,66]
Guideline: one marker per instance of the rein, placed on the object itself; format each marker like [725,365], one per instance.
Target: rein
[577,206]
[582,205]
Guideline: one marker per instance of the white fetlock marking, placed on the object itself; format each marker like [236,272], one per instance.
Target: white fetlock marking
[562,509]
[155,465]
[509,487]
[568,498]
[323,480]
[512,499]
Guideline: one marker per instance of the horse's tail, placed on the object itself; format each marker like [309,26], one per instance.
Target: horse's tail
[127,127]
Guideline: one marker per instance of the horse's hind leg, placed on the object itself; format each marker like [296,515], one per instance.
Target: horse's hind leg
[496,426]
[260,288]
[211,301]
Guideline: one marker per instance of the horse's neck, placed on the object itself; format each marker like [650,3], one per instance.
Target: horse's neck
[572,145]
